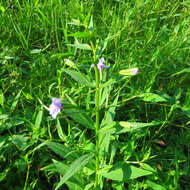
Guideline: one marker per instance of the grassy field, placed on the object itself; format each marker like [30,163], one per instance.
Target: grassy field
[116,129]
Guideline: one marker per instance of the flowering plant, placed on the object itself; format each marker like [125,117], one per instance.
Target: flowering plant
[103,127]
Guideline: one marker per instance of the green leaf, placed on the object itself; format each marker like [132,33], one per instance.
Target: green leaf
[105,138]
[7,122]
[79,77]
[1,98]
[35,51]
[186,106]
[132,126]
[62,150]
[104,144]
[123,172]
[73,103]
[147,167]
[4,116]
[39,119]
[90,26]
[151,97]
[89,186]
[4,173]
[27,95]
[75,182]
[108,83]
[186,70]
[80,117]
[111,111]
[72,185]
[186,111]
[36,128]
[20,141]
[15,101]
[69,63]
[80,34]
[2,9]
[75,22]
[124,126]
[74,167]
[117,185]
[102,46]
[38,147]
[61,135]
[155,186]
[3,139]
[60,55]
[104,95]
[87,18]
[80,46]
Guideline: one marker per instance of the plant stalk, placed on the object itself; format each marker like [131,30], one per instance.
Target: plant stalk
[97,124]
[97,106]
[27,175]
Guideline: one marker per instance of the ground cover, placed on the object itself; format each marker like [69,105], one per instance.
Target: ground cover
[46,50]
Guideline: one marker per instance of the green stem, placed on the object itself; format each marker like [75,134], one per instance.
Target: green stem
[97,115]
[97,123]
[94,50]
[27,174]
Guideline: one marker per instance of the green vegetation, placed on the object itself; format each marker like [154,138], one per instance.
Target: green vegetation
[116,130]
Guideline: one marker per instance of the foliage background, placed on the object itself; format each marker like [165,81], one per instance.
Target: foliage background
[150,35]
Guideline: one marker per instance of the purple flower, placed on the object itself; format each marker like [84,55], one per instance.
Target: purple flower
[135,71]
[55,107]
[101,65]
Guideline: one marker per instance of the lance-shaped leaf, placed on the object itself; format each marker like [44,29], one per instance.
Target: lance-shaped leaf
[78,45]
[79,77]
[60,131]
[2,99]
[155,186]
[15,101]
[102,46]
[80,34]
[152,97]
[123,172]
[62,150]
[90,26]
[186,70]
[73,168]
[80,117]
[124,126]
[75,181]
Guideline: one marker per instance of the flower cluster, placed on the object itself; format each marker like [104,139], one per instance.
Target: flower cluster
[101,65]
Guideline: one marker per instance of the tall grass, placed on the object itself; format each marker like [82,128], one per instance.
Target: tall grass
[38,43]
